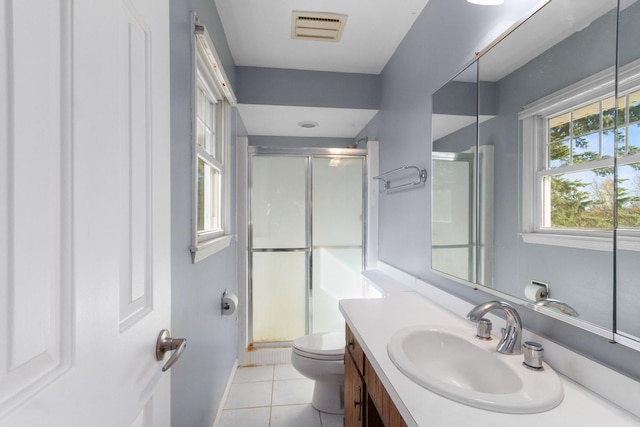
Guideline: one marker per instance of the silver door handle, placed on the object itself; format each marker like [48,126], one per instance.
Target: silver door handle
[165,343]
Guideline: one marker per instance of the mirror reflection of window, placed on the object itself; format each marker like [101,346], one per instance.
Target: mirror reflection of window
[578,177]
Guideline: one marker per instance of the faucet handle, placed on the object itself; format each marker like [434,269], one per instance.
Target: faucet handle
[484,329]
[533,353]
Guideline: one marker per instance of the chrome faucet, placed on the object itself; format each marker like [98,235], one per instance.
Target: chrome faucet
[511,340]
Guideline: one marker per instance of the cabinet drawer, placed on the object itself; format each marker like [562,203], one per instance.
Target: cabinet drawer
[353,347]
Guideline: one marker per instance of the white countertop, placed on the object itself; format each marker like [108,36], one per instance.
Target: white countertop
[373,321]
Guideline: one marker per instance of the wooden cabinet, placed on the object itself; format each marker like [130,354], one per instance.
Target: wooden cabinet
[353,394]
[366,402]
[354,349]
[384,407]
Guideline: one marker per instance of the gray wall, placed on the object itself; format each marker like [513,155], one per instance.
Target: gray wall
[200,377]
[273,86]
[441,42]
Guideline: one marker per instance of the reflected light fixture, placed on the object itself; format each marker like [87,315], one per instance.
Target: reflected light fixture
[335,162]
[486,2]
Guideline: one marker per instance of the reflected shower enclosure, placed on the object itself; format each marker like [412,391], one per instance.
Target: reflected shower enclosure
[453,244]
[306,239]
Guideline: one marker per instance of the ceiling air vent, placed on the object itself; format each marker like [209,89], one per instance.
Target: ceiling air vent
[317,26]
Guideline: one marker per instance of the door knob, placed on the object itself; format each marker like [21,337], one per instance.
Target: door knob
[165,343]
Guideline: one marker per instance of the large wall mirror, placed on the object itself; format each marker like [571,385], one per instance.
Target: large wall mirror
[554,153]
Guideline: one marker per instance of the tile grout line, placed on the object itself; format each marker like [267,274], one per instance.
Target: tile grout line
[273,373]
[273,377]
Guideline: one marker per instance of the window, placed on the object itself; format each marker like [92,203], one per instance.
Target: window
[573,142]
[211,164]
[212,109]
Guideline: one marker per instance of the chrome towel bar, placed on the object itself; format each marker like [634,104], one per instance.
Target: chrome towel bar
[421,178]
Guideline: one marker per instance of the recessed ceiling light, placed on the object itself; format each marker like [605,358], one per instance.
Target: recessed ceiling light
[486,2]
[308,124]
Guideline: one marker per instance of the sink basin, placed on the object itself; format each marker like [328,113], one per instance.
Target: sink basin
[455,364]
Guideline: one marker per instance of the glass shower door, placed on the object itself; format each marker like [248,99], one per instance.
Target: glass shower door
[280,247]
[337,236]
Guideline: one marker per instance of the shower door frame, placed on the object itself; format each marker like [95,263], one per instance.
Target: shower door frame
[308,153]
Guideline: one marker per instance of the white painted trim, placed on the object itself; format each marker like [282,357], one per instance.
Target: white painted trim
[207,49]
[372,202]
[596,240]
[242,218]
[593,242]
[203,250]
[225,395]
[208,68]
[531,147]
[265,356]
[485,207]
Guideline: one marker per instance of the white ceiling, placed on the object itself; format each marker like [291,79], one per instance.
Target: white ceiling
[259,35]
[274,120]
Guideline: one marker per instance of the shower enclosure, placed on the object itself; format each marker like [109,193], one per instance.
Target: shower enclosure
[306,239]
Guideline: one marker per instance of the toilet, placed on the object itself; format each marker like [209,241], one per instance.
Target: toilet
[320,357]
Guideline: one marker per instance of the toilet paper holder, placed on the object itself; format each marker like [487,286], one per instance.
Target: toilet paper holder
[546,292]
[228,303]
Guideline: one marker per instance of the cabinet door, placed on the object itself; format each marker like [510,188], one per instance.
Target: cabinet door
[353,394]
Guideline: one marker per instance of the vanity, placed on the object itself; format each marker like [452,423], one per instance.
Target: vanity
[367,401]
[377,393]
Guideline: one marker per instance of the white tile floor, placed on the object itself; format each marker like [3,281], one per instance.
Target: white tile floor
[273,396]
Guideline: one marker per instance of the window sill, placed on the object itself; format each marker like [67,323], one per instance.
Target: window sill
[600,242]
[210,247]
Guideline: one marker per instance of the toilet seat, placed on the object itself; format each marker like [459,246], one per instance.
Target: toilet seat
[326,358]
[320,346]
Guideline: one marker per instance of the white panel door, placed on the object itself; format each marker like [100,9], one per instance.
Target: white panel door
[84,212]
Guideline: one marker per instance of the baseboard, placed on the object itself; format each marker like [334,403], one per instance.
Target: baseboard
[225,394]
[266,356]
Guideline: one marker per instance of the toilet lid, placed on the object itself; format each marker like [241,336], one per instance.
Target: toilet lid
[325,344]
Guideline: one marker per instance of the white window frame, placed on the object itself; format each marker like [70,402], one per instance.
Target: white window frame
[534,118]
[209,75]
